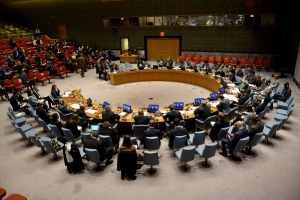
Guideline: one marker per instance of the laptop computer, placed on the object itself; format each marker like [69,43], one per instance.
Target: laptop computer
[105,104]
[198,101]
[178,105]
[155,66]
[214,96]
[224,84]
[222,90]
[95,127]
[153,108]
[126,108]
[89,102]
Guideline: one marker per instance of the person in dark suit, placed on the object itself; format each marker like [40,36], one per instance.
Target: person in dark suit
[14,102]
[230,76]
[247,88]
[35,91]
[105,130]
[114,68]
[72,125]
[257,127]
[203,111]
[146,64]
[233,139]
[239,72]
[104,68]
[109,115]
[140,64]
[243,98]
[168,63]
[172,114]
[141,119]
[81,63]
[224,105]
[63,108]
[42,113]
[26,80]
[105,153]
[221,123]
[285,94]
[57,123]
[178,131]
[84,120]
[151,132]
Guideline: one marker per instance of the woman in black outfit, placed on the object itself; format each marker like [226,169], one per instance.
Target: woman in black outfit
[72,125]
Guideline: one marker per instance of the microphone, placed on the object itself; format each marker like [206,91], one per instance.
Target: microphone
[144,107]
[98,103]
[73,87]
[119,107]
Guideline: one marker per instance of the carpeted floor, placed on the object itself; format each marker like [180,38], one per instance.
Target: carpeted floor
[271,173]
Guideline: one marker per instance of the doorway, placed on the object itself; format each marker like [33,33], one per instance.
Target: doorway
[62,31]
[124,42]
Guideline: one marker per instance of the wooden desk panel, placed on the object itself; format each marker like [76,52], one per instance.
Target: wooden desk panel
[131,59]
[198,79]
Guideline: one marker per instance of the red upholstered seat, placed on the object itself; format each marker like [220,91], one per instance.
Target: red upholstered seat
[16,197]
[40,78]
[2,192]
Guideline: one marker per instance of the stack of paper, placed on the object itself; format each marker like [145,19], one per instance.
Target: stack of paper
[122,114]
[231,84]
[92,111]
[230,97]
[75,106]
[214,104]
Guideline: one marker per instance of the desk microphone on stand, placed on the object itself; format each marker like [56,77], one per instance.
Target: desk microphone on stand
[73,87]
[119,107]
[99,104]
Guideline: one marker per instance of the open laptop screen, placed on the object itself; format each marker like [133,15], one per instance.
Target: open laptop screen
[225,84]
[214,96]
[222,90]
[198,101]
[126,108]
[178,105]
[153,108]
[95,127]
[105,104]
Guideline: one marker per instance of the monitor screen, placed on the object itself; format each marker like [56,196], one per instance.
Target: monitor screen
[178,105]
[214,96]
[89,102]
[224,84]
[105,104]
[95,127]
[222,90]
[198,101]
[126,108]
[155,66]
[153,108]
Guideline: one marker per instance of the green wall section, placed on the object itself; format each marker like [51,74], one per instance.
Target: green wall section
[84,22]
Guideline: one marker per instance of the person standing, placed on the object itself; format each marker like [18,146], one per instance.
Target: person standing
[81,64]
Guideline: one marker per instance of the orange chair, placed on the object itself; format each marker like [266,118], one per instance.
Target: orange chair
[40,78]
[17,85]
[258,64]
[65,70]
[8,84]
[211,59]
[219,61]
[47,76]
[267,64]
[57,61]
[242,62]
[2,193]
[16,197]
[226,61]
[250,62]
[2,63]
[7,52]
[234,62]
[196,60]
[32,77]
[59,72]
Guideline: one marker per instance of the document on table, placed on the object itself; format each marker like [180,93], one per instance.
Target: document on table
[231,84]
[75,106]
[122,113]
[68,93]
[79,127]
[212,123]
[214,104]
[92,111]
[230,97]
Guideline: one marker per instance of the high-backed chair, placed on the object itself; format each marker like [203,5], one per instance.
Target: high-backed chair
[55,100]
[50,148]
[107,142]
[65,117]
[239,147]
[198,138]
[263,113]
[243,107]
[136,142]
[36,118]
[285,105]
[151,158]
[16,197]
[268,132]
[26,135]
[207,151]
[18,115]
[222,134]
[19,121]
[55,130]
[93,156]
[179,142]
[231,114]
[185,155]
[70,136]
[152,143]
[139,130]
[46,127]
[283,111]
[24,128]
[37,141]
[85,137]
[206,124]
[255,140]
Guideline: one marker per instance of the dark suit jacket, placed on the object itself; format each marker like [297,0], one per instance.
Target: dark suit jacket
[81,62]
[172,115]
[151,132]
[148,65]
[267,100]
[216,128]
[59,125]
[96,144]
[239,73]
[64,109]
[41,112]
[243,99]
[232,77]
[110,116]
[73,128]
[260,108]
[236,138]
[127,162]
[178,131]
[224,106]
[113,135]
[257,128]
[14,103]
[202,113]
[141,119]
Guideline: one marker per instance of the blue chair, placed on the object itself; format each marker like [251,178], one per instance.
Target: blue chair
[70,136]
[255,140]
[281,116]
[243,107]
[55,130]
[239,147]
[139,130]
[19,121]
[93,156]
[24,128]
[128,66]
[241,86]
[151,158]
[82,153]
[50,148]
[26,135]
[64,117]
[136,142]
[55,100]
[39,143]
[121,66]
[185,155]
[284,112]
[206,124]
[85,137]
[169,126]
[237,80]
[152,143]
[268,132]
[222,134]
[20,114]
[36,117]
[198,138]
[231,114]
[263,113]
[46,127]
[179,142]
[107,142]
[285,105]
[207,151]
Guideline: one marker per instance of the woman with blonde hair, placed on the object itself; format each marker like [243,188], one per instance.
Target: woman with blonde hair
[72,125]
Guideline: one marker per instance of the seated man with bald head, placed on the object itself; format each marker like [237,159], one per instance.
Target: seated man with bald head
[141,119]
[109,115]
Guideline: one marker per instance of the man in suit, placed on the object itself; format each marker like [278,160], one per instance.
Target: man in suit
[151,132]
[239,72]
[63,108]
[203,111]
[233,139]
[243,97]
[105,153]
[251,78]
[41,112]
[168,63]
[146,64]
[178,131]
[35,91]
[224,105]
[230,76]
[81,63]
[109,115]
[84,120]
[257,127]
[15,102]
[104,68]
[221,123]
[140,118]
[285,94]
[105,130]
[57,123]
[172,114]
